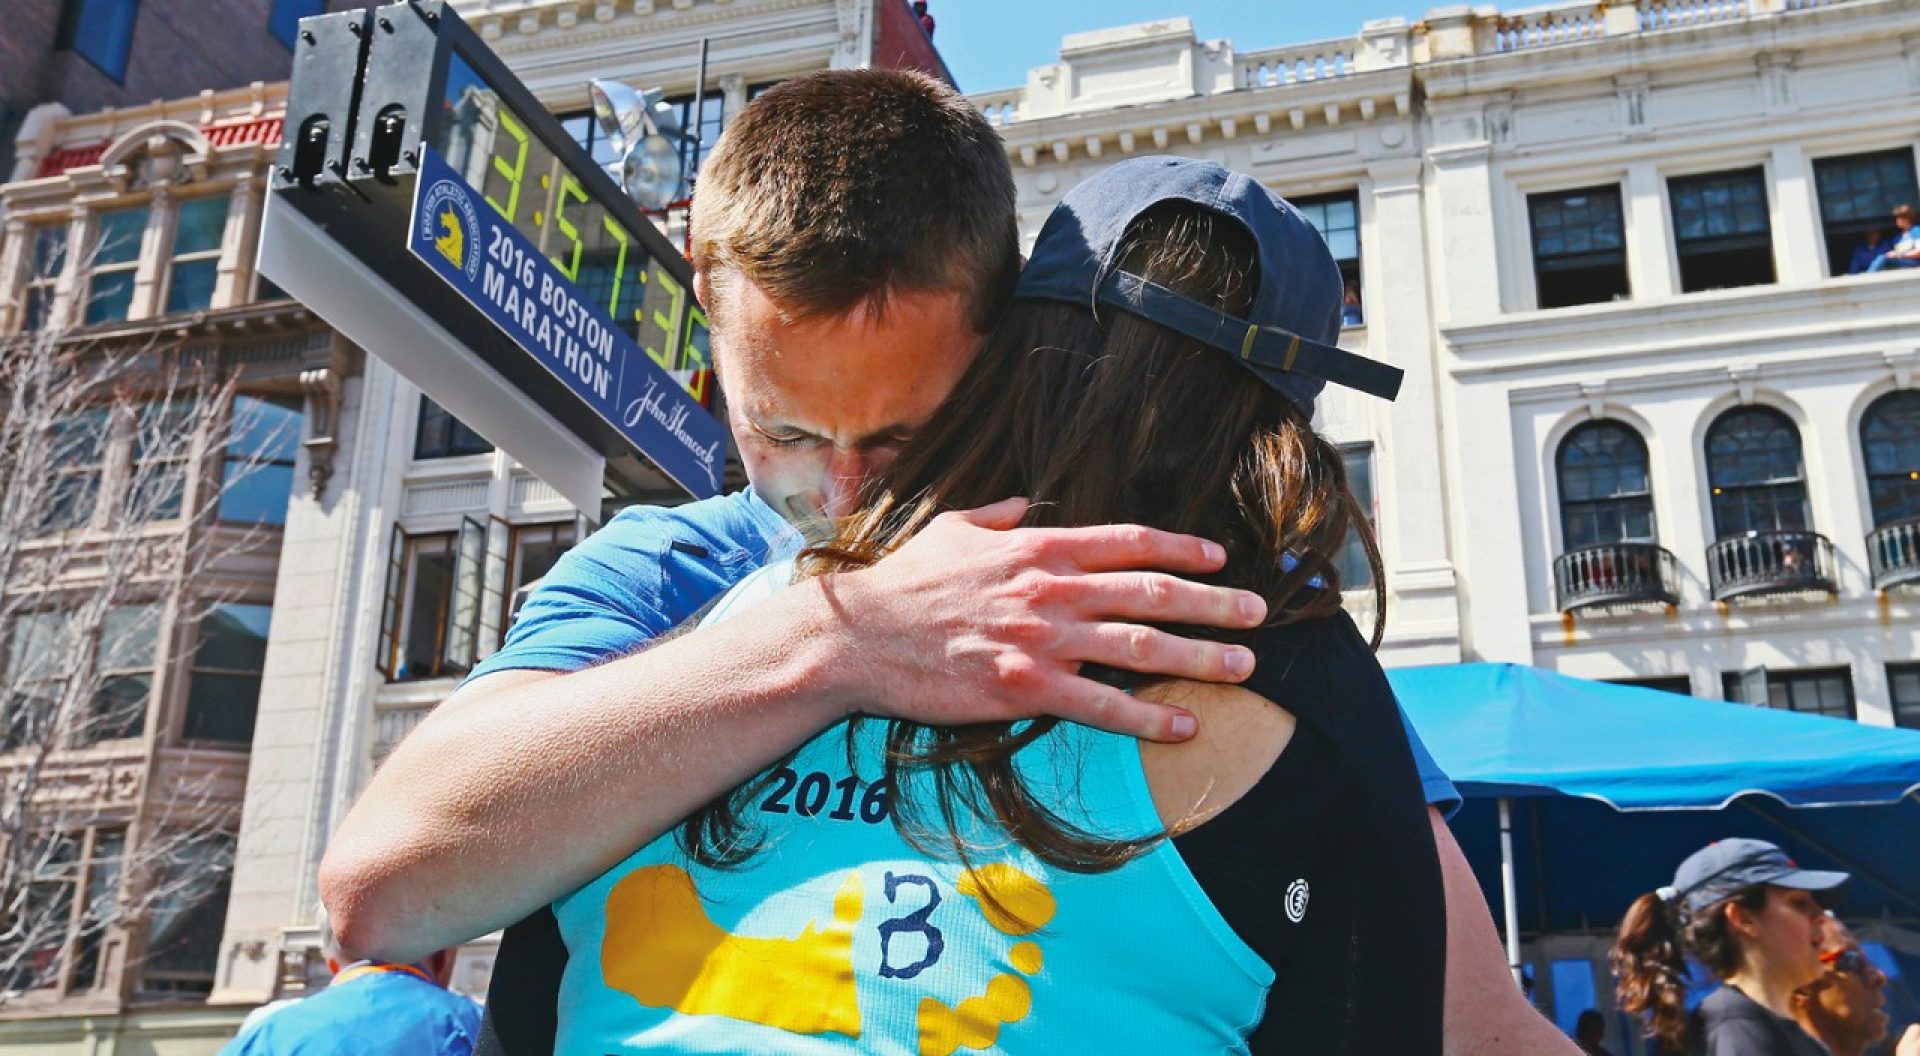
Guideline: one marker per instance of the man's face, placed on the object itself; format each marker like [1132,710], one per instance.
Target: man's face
[819,405]
[1846,1006]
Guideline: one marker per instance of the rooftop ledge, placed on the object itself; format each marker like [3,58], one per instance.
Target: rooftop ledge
[1163,61]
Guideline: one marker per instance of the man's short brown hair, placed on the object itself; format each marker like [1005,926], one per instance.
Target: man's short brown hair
[1903,212]
[841,188]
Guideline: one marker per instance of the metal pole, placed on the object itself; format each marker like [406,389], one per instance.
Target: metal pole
[699,108]
[1509,889]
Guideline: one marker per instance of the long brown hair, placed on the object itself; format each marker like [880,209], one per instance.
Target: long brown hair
[1649,957]
[1099,420]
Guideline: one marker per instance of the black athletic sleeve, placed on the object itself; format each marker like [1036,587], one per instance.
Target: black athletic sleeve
[523,998]
[1362,968]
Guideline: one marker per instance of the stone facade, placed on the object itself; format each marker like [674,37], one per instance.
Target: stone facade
[1446,134]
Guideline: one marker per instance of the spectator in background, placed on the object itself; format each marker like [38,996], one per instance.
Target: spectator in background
[1845,1006]
[1906,250]
[1589,1031]
[1350,312]
[926,20]
[1874,243]
[371,1008]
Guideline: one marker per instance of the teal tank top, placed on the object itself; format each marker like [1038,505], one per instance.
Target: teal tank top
[839,936]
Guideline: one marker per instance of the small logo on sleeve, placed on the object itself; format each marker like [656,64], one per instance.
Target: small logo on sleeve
[1297,901]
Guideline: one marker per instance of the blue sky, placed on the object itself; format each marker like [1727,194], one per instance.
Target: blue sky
[992,43]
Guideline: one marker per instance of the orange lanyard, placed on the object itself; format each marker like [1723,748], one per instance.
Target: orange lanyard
[348,975]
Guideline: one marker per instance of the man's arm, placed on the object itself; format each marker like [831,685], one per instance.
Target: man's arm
[1486,1014]
[526,785]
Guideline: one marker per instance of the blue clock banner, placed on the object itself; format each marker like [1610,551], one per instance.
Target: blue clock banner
[497,269]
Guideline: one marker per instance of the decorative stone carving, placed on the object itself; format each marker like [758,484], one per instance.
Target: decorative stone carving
[157,156]
[322,388]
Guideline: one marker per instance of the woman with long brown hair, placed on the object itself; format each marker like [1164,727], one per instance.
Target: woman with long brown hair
[1269,886]
[1752,917]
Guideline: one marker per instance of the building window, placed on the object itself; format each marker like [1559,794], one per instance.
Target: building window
[532,552]
[1720,229]
[70,898]
[1890,442]
[43,651]
[77,449]
[46,258]
[188,908]
[162,451]
[115,258]
[1680,684]
[1827,691]
[1337,218]
[262,440]
[101,31]
[223,690]
[1354,570]
[1903,683]
[1857,195]
[1605,496]
[441,435]
[1756,473]
[283,21]
[430,618]
[713,117]
[1579,246]
[199,227]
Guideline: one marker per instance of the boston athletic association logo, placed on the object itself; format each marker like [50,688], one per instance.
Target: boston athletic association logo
[449,221]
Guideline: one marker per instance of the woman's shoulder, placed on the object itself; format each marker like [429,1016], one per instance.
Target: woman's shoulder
[1239,737]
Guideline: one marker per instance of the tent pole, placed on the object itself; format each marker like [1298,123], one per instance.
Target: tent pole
[1509,890]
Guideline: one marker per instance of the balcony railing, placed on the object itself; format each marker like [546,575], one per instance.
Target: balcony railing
[1616,574]
[1893,553]
[1771,563]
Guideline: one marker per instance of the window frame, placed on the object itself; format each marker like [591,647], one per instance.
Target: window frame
[175,464]
[1840,236]
[1906,710]
[40,282]
[514,582]
[1905,479]
[130,266]
[1716,488]
[453,446]
[283,21]
[1693,247]
[1352,269]
[75,881]
[175,259]
[1351,551]
[74,13]
[1786,681]
[258,460]
[1618,500]
[456,631]
[100,437]
[1541,261]
[196,668]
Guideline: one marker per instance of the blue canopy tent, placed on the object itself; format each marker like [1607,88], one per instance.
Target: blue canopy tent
[1581,795]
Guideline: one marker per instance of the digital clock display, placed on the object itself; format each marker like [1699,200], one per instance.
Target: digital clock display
[535,192]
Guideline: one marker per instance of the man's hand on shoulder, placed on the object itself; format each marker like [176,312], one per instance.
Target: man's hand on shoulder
[977,620]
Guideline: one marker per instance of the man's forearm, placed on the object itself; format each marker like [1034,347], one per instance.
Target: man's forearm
[522,787]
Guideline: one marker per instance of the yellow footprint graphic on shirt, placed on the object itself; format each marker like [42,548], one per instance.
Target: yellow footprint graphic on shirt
[1019,905]
[663,949]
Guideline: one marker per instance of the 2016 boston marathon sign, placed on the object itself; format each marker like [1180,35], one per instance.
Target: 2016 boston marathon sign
[500,272]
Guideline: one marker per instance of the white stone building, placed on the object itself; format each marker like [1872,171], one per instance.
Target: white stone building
[1609,247]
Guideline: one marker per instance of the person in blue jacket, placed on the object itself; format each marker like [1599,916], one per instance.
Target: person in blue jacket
[370,1008]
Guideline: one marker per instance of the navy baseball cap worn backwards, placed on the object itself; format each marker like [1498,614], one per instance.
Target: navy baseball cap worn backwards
[1288,342]
[1721,870]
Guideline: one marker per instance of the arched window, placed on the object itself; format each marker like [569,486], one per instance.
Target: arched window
[1890,439]
[1604,494]
[1754,468]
